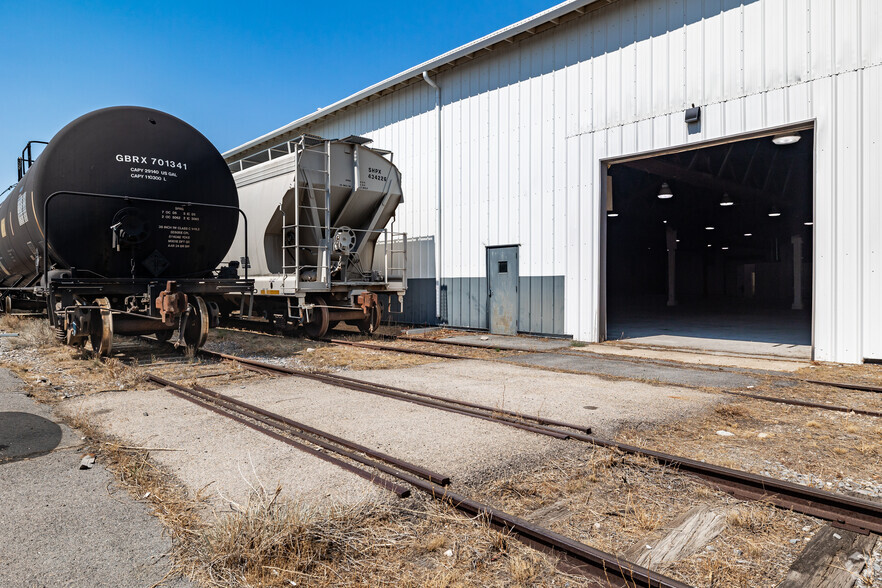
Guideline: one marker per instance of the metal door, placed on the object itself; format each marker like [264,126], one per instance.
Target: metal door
[502,289]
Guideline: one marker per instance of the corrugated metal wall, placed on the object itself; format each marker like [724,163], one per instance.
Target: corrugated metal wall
[524,130]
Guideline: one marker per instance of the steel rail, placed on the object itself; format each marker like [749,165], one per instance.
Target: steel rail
[395,349]
[421,398]
[500,411]
[847,512]
[292,428]
[377,391]
[846,385]
[575,557]
[400,491]
[422,472]
[776,399]
[806,403]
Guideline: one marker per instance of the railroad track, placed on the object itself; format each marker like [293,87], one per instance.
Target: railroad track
[841,385]
[574,557]
[764,398]
[519,420]
[843,511]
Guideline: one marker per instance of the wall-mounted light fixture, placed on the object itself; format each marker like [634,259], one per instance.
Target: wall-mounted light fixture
[665,191]
[786,138]
[693,115]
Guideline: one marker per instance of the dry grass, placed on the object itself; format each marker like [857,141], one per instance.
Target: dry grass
[339,357]
[272,541]
[752,519]
[619,503]
[33,333]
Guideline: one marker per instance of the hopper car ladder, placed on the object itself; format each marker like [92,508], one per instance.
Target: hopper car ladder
[314,197]
[316,202]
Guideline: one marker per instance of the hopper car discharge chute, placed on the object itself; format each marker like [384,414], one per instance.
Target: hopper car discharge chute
[323,247]
[117,228]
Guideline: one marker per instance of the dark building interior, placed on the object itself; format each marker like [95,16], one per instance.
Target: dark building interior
[736,215]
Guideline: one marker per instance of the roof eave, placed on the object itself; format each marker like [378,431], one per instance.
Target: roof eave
[527,26]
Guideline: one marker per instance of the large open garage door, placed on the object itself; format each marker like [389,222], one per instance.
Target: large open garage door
[711,248]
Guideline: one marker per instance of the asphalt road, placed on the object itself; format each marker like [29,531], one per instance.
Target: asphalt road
[60,525]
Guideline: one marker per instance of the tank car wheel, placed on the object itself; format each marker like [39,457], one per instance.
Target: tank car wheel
[163,336]
[318,326]
[75,328]
[101,335]
[371,323]
[196,332]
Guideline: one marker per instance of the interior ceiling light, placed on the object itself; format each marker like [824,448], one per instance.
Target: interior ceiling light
[708,228]
[786,138]
[665,191]
[709,245]
[725,248]
[726,201]
[808,223]
[774,211]
[748,234]
[612,214]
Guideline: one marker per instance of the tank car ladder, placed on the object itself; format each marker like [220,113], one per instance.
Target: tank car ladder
[308,198]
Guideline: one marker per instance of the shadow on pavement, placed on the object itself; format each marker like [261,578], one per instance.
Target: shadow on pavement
[24,435]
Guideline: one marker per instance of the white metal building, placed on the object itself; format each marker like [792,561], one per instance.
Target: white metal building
[529,137]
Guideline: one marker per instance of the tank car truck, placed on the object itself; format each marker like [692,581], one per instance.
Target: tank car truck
[117,228]
[321,227]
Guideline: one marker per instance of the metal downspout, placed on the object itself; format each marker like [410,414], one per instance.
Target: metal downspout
[437,198]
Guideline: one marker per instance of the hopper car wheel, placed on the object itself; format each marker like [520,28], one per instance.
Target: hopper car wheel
[101,335]
[371,323]
[196,332]
[318,326]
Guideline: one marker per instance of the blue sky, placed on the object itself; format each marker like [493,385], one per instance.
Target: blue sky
[234,70]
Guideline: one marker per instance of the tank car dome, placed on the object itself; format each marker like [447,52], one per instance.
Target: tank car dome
[167,170]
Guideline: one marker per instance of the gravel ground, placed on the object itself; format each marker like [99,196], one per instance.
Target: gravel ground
[604,405]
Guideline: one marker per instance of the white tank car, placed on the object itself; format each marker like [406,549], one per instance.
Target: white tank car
[322,248]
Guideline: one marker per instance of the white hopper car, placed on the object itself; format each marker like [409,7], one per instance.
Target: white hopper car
[320,214]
